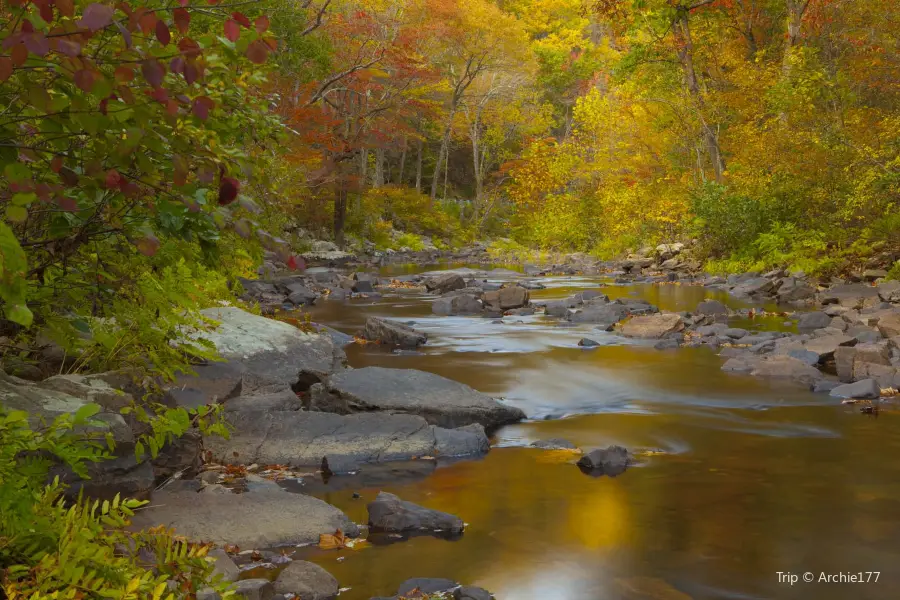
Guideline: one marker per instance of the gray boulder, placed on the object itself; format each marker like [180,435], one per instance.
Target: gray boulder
[256,519]
[867,388]
[393,333]
[611,461]
[439,400]
[652,326]
[307,581]
[889,325]
[469,592]
[853,295]
[604,316]
[285,399]
[212,383]
[755,286]
[711,307]
[792,289]
[271,354]
[388,513]
[506,298]
[445,283]
[254,589]
[458,304]
[775,367]
[812,321]
[223,565]
[302,439]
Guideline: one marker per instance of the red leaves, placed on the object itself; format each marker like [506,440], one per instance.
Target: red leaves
[258,52]
[162,33]
[66,8]
[113,179]
[295,262]
[180,170]
[19,54]
[232,30]
[68,47]
[6,68]
[261,24]
[241,18]
[46,12]
[191,73]
[36,43]
[228,190]
[56,164]
[182,20]
[96,16]
[124,73]
[201,107]
[84,79]
[147,22]
[153,71]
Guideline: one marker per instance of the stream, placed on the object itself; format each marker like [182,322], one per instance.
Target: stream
[738,478]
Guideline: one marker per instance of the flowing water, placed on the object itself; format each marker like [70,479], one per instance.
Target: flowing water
[738,479]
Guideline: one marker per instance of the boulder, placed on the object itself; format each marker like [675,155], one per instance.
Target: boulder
[587,343]
[439,400]
[850,295]
[302,439]
[285,399]
[867,388]
[445,283]
[873,274]
[269,353]
[711,307]
[889,325]
[470,592]
[755,286]
[775,367]
[211,383]
[792,289]
[652,326]
[393,333]
[611,461]
[307,581]
[459,304]
[254,589]
[604,316]
[887,376]
[301,295]
[470,440]
[821,348]
[388,513]
[554,444]
[812,321]
[506,298]
[889,291]
[255,519]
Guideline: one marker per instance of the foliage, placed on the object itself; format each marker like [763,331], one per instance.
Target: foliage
[52,549]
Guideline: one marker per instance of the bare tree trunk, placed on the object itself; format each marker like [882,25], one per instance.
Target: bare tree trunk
[378,180]
[340,210]
[419,168]
[685,50]
[402,164]
[442,156]
[476,163]
[363,167]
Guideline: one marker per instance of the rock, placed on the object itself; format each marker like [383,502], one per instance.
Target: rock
[877,353]
[445,283]
[670,265]
[669,344]
[223,565]
[470,440]
[363,287]
[308,581]
[302,439]
[389,513]
[393,333]
[755,286]
[587,343]
[556,309]
[254,589]
[711,307]
[826,385]
[775,367]
[820,348]
[886,375]
[604,316]
[554,444]
[271,354]
[611,461]
[301,295]
[324,246]
[735,333]
[461,304]
[506,298]
[889,291]
[331,257]
[812,321]
[844,357]
[212,383]
[469,592]
[653,326]
[810,358]
[440,401]
[714,329]
[258,519]
[850,295]
[792,289]
[867,388]
[426,585]
[873,274]
[285,399]
[889,325]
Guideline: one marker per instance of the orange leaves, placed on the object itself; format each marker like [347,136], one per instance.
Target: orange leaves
[338,541]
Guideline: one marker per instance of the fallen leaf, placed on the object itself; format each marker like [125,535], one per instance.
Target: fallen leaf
[332,541]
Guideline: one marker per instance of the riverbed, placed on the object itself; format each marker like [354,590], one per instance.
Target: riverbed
[738,479]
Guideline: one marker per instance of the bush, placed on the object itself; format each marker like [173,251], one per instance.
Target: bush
[53,550]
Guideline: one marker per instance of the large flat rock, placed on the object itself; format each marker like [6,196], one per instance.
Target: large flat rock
[439,400]
[259,519]
[272,354]
[301,438]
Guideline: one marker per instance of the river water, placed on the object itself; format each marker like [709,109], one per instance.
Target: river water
[738,479]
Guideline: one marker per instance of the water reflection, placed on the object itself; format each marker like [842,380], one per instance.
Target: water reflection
[743,478]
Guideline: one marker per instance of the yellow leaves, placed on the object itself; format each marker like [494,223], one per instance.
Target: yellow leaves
[339,541]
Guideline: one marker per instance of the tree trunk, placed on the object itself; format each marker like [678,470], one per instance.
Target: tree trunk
[795,10]
[340,211]
[685,50]
[378,180]
[402,164]
[442,156]
[419,168]
[363,168]
[476,163]
[752,46]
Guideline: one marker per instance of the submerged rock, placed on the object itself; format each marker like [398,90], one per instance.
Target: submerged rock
[389,513]
[445,283]
[867,388]
[307,581]
[611,461]
[554,444]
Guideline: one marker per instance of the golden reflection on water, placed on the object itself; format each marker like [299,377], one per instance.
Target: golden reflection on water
[752,478]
